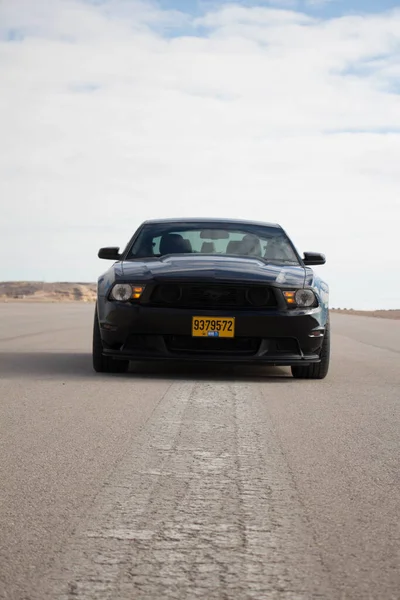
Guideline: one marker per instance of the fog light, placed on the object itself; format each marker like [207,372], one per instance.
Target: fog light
[170,293]
[317,333]
[258,296]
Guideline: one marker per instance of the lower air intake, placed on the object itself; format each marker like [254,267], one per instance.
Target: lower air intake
[186,344]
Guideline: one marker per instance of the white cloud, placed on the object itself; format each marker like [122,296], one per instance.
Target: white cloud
[236,15]
[107,120]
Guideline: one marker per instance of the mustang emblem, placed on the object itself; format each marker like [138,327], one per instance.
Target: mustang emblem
[214,294]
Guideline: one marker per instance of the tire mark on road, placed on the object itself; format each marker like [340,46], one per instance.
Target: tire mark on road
[203,506]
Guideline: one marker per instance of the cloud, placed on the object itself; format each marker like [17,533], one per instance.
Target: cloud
[116,111]
[237,16]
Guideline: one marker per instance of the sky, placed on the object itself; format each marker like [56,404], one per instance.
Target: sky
[117,111]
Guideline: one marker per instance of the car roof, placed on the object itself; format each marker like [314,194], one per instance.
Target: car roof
[213,220]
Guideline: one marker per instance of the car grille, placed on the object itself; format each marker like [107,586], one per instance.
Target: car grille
[186,344]
[213,296]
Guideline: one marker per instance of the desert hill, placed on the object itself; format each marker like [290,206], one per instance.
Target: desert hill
[38,291]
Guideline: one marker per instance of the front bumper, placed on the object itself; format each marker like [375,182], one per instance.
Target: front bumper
[275,337]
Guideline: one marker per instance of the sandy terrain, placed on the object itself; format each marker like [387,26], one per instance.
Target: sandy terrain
[37,291]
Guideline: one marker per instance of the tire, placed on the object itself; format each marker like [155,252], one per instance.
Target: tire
[316,370]
[101,363]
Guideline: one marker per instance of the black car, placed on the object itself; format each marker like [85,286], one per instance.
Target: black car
[212,290]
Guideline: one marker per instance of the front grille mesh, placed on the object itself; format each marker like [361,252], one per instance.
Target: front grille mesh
[187,345]
[213,296]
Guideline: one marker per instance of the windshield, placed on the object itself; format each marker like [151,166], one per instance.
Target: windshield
[268,243]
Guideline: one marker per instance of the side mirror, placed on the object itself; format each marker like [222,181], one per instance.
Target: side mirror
[109,253]
[314,258]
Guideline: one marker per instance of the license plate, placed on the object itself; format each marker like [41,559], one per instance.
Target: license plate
[213,327]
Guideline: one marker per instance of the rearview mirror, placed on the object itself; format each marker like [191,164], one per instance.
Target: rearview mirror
[111,253]
[314,258]
[214,234]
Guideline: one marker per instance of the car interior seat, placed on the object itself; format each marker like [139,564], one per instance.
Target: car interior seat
[188,246]
[233,247]
[173,243]
[250,245]
[208,248]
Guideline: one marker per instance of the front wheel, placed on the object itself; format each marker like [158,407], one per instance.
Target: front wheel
[101,363]
[316,370]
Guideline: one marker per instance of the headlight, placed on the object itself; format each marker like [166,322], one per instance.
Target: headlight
[123,292]
[300,298]
[304,298]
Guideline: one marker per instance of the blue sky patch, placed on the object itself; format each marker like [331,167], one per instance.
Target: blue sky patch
[323,8]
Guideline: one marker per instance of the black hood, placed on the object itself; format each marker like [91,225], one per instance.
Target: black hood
[210,268]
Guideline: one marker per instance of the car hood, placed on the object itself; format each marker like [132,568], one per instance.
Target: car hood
[205,267]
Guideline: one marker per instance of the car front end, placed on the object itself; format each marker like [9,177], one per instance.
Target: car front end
[213,290]
[212,321]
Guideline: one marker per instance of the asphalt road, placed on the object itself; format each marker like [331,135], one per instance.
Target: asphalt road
[197,482]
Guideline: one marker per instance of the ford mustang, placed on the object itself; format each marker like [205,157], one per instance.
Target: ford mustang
[212,290]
